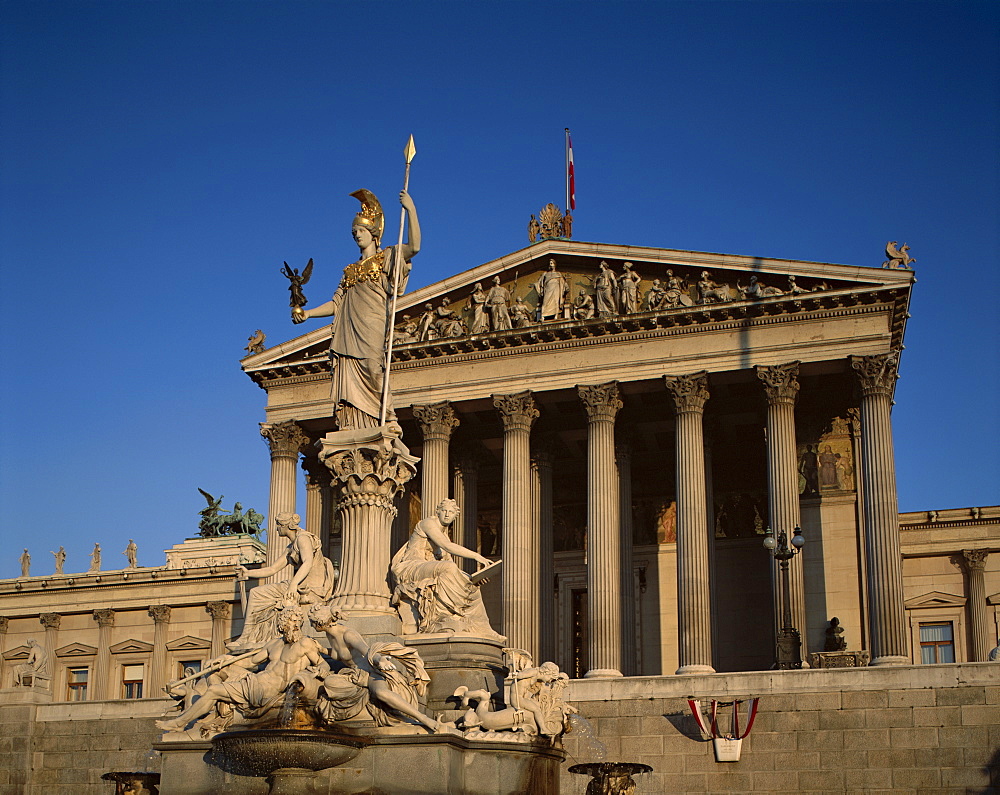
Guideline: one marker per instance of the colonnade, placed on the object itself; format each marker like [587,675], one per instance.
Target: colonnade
[527,511]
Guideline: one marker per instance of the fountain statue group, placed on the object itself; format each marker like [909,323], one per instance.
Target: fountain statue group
[298,653]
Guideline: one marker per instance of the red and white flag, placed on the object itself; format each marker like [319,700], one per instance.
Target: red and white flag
[570,175]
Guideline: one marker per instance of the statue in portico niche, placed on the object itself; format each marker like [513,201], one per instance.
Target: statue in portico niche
[35,667]
[360,309]
[432,594]
[553,294]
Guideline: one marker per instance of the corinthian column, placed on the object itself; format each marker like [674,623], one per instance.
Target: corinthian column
[220,612]
[979,620]
[370,466]
[694,619]
[520,540]
[158,669]
[437,421]
[105,618]
[604,621]
[541,507]
[285,440]
[781,384]
[886,612]
[623,455]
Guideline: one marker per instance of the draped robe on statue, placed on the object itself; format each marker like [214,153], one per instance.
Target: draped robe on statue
[357,347]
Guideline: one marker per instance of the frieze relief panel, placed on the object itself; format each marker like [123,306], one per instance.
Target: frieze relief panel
[827,464]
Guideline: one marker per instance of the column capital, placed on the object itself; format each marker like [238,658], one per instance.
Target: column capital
[542,454]
[317,473]
[781,381]
[218,610]
[688,391]
[50,620]
[975,559]
[602,401]
[104,616]
[466,462]
[437,420]
[284,438]
[623,451]
[877,374]
[517,411]
[159,613]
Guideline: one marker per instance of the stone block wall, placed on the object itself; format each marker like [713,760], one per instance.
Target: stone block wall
[923,729]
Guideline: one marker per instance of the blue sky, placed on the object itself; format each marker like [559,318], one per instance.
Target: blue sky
[160,161]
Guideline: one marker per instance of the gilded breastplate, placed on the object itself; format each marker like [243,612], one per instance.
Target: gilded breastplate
[367,270]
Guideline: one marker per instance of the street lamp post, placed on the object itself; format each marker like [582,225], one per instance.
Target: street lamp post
[788,652]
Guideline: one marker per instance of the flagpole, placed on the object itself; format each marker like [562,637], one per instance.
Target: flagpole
[408,151]
[567,168]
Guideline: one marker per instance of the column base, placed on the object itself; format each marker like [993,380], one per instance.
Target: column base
[891,659]
[602,673]
[694,669]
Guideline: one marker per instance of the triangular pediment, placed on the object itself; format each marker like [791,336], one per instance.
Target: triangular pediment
[813,286]
[17,653]
[131,646]
[935,599]
[993,600]
[188,643]
[76,649]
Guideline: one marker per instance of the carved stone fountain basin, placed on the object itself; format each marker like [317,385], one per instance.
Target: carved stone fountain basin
[264,751]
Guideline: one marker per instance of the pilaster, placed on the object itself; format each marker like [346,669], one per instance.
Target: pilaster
[51,622]
[220,613]
[520,542]
[105,618]
[158,669]
[694,622]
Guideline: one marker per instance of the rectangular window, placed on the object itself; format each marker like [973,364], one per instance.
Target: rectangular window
[76,684]
[937,643]
[188,667]
[132,676]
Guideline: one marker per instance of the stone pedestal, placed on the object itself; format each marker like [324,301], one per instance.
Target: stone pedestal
[370,466]
[452,661]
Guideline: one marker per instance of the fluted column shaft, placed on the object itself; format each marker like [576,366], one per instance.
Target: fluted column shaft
[604,619]
[220,612]
[102,688]
[158,668]
[520,543]
[4,623]
[437,421]
[285,440]
[781,385]
[887,614]
[979,620]
[623,455]
[465,488]
[694,617]
[541,505]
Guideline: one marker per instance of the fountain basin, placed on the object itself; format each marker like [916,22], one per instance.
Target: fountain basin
[263,751]
[610,778]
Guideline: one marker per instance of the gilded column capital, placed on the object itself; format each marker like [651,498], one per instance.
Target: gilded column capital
[437,420]
[104,616]
[218,610]
[159,613]
[602,401]
[975,559]
[781,381]
[688,391]
[877,374]
[284,438]
[50,620]
[517,411]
